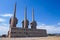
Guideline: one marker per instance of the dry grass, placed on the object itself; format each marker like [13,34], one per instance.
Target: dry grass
[33,38]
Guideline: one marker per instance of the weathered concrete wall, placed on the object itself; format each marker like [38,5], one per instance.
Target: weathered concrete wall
[19,32]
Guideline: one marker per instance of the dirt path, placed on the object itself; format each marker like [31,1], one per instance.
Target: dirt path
[32,38]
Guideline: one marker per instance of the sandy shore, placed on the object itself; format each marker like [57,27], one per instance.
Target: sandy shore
[33,38]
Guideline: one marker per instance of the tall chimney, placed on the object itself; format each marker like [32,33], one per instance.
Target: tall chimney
[13,20]
[14,10]
[25,13]
[26,22]
[25,16]
[33,23]
[32,14]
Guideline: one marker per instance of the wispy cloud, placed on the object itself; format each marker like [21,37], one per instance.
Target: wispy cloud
[6,15]
[2,20]
[3,29]
[49,28]
[4,24]
[59,23]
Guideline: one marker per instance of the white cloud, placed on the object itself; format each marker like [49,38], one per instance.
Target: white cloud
[6,15]
[4,27]
[2,20]
[58,23]
[4,30]
[4,24]
[49,28]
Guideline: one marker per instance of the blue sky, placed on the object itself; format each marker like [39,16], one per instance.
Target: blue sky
[47,14]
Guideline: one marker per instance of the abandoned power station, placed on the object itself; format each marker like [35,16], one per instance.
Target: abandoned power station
[15,31]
